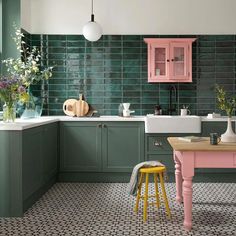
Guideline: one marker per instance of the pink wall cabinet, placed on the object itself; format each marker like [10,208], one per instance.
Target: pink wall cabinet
[169,60]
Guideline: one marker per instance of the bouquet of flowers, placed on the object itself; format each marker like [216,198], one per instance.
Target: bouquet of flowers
[11,90]
[27,67]
[22,72]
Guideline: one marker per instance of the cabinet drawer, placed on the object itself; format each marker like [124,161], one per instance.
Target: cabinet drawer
[158,144]
[167,160]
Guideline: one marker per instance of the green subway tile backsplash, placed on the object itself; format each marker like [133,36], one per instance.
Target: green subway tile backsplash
[114,70]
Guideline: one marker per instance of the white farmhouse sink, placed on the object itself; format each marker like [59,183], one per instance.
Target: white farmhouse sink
[172,124]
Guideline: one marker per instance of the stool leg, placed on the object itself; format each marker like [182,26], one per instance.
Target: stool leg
[139,192]
[145,199]
[156,190]
[164,194]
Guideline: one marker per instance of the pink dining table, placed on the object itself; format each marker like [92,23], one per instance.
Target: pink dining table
[191,155]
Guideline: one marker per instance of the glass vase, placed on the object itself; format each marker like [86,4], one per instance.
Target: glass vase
[9,113]
[34,106]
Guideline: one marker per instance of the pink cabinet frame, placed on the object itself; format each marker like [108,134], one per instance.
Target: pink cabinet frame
[172,64]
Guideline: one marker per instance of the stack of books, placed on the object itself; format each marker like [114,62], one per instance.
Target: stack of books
[191,139]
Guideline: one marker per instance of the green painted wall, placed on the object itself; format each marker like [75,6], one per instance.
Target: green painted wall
[10,13]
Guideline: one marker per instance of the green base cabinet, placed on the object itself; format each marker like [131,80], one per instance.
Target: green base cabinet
[39,160]
[158,149]
[122,146]
[28,167]
[214,127]
[100,146]
[80,146]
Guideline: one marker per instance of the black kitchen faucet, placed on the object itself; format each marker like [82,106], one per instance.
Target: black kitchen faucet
[172,95]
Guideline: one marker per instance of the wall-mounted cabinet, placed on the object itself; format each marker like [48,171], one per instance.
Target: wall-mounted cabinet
[169,60]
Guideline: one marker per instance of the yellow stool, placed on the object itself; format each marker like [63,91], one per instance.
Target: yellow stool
[155,171]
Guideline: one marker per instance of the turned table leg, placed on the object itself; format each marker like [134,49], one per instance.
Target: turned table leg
[187,194]
[178,180]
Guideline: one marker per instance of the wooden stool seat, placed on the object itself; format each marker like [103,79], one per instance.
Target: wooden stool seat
[152,170]
[157,172]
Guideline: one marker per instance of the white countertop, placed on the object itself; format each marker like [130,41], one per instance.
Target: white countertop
[21,124]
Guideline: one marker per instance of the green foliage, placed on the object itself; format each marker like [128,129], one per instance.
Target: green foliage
[225,102]
[27,67]
[22,72]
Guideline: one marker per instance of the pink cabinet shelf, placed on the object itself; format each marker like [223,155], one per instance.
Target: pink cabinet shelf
[169,59]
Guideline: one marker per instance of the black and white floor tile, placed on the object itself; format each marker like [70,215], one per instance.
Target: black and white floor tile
[96,209]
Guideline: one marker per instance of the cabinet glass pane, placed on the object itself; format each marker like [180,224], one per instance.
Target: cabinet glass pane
[160,61]
[179,61]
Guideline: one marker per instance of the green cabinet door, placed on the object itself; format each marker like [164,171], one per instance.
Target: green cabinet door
[122,145]
[32,162]
[214,127]
[39,161]
[80,146]
[50,151]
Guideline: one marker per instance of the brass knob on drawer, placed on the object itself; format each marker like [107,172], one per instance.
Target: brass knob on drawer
[157,143]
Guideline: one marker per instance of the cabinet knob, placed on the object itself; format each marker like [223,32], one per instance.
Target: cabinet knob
[172,59]
[103,126]
[99,126]
[157,143]
[168,60]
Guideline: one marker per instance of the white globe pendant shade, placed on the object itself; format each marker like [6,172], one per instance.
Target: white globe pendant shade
[92,31]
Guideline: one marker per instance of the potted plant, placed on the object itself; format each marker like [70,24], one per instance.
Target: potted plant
[226,103]
[27,70]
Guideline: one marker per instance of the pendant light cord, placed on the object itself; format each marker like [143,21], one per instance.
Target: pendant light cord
[92,15]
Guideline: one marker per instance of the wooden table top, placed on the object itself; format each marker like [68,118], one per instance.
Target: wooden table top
[179,145]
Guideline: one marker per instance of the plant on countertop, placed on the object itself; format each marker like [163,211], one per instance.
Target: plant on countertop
[22,72]
[11,90]
[226,102]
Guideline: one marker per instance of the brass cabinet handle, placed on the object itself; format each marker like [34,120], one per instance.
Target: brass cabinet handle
[99,126]
[103,126]
[157,143]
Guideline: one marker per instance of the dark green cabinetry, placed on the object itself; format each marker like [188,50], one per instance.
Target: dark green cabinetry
[214,127]
[158,148]
[122,146]
[39,159]
[28,167]
[80,146]
[101,146]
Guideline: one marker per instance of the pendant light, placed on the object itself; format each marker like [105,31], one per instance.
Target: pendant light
[92,31]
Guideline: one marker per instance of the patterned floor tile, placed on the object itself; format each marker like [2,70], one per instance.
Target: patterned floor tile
[106,209]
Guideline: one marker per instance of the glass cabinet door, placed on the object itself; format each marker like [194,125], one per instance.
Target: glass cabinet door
[160,61]
[179,62]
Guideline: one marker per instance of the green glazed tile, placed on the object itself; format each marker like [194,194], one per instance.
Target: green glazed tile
[75,38]
[56,37]
[131,38]
[225,56]
[112,37]
[75,50]
[113,50]
[112,44]
[131,81]
[75,44]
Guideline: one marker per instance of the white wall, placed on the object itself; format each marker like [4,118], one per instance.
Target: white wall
[132,16]
[26,14]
